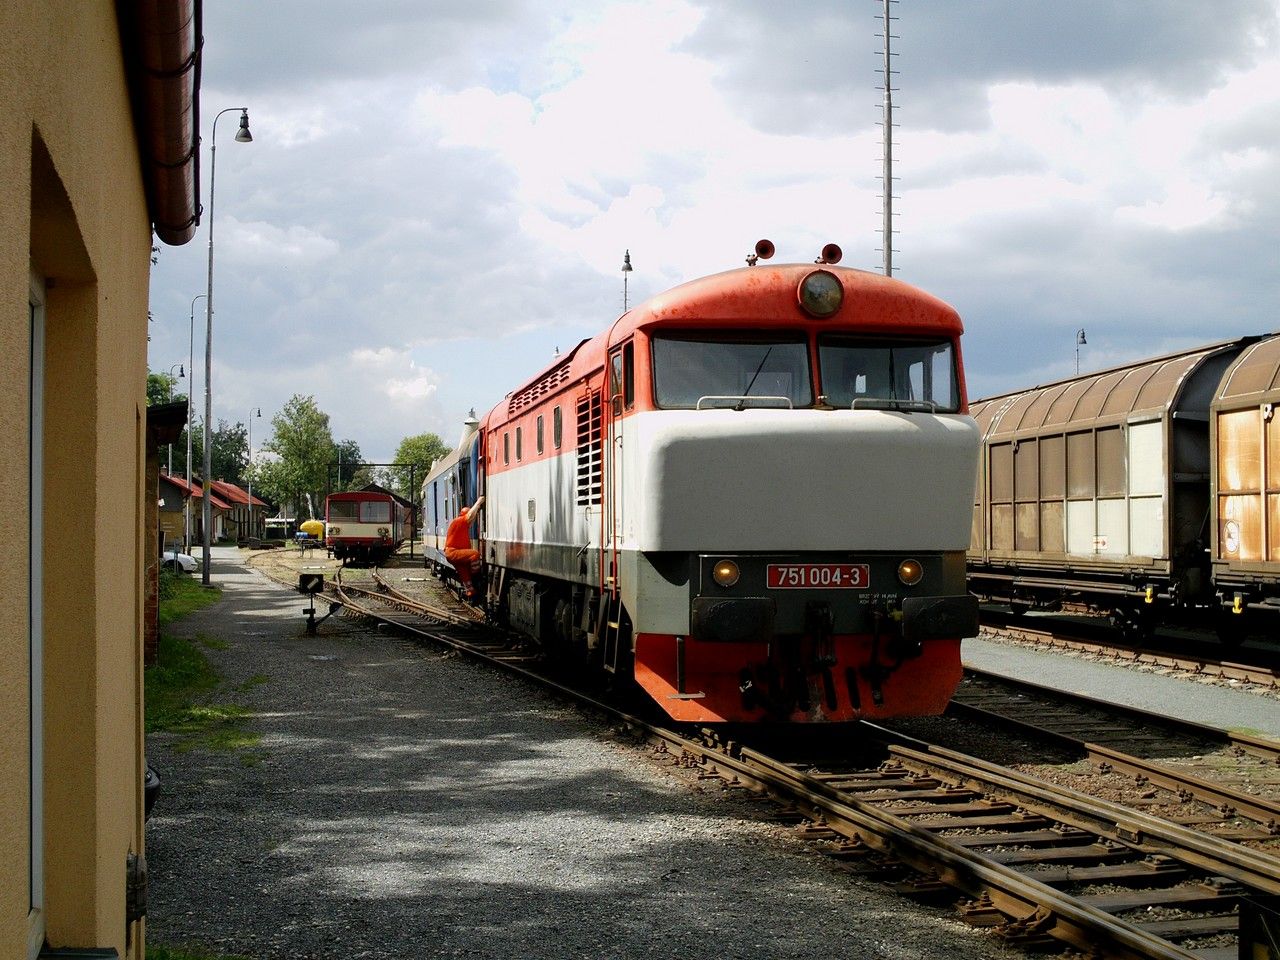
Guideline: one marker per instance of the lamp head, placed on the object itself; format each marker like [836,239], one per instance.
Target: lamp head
[1080,336]
[626,262]
[243,135]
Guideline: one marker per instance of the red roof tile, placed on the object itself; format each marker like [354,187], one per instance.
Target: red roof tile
[196,490]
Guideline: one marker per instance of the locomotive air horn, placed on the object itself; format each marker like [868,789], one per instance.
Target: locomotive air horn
[764,250]
[831,253]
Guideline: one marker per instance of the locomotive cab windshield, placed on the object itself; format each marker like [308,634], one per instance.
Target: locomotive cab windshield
[704,370]
[700,370]
[864,373]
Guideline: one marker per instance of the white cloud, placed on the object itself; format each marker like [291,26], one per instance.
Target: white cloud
[433,202]
[266,244]
[411,390]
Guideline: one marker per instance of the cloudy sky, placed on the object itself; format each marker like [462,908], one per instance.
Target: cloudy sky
[439,195]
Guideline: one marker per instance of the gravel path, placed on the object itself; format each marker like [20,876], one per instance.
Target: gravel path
[1224,704]
[403,801]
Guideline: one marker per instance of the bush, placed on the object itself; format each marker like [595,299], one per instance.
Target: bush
[168,587]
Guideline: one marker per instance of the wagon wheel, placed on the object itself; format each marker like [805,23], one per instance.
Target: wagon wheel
[1136,624]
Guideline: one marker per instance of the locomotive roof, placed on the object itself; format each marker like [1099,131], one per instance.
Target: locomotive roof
[769,293]
[1144,386]
[759,295]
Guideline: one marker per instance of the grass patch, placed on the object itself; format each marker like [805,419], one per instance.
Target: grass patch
[179,699]
[181,685]
[180,675]
[158,952]
[182,594]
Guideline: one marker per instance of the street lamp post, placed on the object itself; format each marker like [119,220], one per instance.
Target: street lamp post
[256,412]
[191,362]
[626,269]
[242,136]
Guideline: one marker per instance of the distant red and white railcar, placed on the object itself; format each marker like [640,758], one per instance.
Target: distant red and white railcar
[367,526]
[752,493]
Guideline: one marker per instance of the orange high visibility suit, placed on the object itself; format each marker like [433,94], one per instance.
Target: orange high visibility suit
[459,552]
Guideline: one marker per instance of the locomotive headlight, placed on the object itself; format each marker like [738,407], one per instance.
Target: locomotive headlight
[725,573]
[383,531]
[334,531]
[910,572]
[821,293]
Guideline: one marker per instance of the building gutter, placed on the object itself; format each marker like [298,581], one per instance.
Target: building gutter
[162,42]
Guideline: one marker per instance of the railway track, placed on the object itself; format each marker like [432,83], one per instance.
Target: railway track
[1038,862]
[1213,779]
[1042,864]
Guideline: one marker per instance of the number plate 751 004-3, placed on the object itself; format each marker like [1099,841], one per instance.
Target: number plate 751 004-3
[818,576]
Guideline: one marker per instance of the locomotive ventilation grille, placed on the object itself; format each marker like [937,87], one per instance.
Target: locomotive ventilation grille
[537,391]
[590,449]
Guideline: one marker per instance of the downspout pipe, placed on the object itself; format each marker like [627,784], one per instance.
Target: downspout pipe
[164,40]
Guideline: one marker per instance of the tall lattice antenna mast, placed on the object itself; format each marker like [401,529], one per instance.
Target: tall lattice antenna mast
[886,229]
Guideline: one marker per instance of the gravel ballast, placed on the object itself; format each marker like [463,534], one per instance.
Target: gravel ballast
[404,801]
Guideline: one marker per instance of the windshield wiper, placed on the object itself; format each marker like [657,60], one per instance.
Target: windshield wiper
[746,393]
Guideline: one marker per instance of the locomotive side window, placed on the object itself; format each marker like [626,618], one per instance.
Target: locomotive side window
[629,376]
[615,376]
[519,445]
[506,448]
[724,371]
[557,427]
[622,378]
[902,371]
[539,434]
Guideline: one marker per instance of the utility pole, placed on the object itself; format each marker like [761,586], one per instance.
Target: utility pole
[886,228]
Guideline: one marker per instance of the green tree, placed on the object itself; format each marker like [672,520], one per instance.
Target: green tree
[413,459]
[228,453]
[270,481]
[160,389]
[303,442]
[350,472]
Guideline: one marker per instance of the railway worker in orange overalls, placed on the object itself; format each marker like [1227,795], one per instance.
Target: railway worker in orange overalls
[458,550]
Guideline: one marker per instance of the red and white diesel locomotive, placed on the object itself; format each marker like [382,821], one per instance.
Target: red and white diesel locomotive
[367,525]
[751,493]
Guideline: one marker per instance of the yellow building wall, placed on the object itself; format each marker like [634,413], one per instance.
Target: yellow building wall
[72,206]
